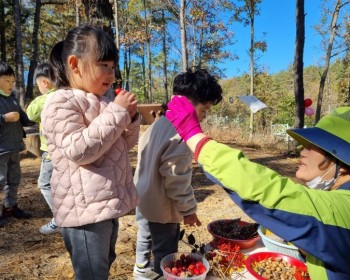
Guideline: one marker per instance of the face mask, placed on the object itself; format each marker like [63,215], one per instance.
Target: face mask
[3,93]
[318,184]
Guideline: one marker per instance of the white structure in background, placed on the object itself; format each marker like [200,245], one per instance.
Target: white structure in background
[253,103]
[279,130]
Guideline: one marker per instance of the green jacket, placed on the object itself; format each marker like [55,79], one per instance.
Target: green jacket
[34,114]
[315,221]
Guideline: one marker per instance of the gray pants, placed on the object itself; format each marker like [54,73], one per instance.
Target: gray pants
[45,177]
[161,239]
[92,248]
[10,177]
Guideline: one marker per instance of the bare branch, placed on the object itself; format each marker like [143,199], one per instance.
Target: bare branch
[54,3]
[340,52]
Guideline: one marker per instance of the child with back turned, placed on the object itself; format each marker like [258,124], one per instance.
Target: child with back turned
[163,176]
[88,141]
[43,79]
[12,120]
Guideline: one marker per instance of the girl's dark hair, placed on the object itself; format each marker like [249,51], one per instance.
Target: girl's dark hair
[6,70]
[199,86]
[59,76]
[85,42]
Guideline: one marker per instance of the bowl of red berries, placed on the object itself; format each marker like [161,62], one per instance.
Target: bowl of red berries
[191,266]
[235,232]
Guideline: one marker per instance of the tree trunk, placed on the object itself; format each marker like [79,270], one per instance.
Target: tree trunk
[129,68]
[116,24]
[99,13]
[165,63]
[2,31]
[299,65]
[149,64]
[19,54]
[118,75]
[148,25]
[143,64]
[327,60]
[77,16]
[33,61]
[251,54]
[183,35]
[127,61]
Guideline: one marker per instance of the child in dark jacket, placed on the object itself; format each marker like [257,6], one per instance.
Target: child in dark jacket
[12,120]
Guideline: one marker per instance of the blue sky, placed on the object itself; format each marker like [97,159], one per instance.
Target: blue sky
[277,19]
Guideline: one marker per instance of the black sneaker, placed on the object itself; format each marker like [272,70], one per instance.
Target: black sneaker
[3,221]
[16,212]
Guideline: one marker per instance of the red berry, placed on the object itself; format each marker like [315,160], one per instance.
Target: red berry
[174,270]
[118,90]
[196,271]
[167,269]
[202,269]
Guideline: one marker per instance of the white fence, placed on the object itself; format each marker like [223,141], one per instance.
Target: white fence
[279,130]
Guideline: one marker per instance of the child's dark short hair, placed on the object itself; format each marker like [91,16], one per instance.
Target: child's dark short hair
[43,70]
[6,70]
[198,86]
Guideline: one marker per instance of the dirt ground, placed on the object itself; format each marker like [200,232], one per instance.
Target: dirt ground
[27,254]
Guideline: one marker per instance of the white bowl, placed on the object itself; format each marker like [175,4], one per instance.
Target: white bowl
[169,260]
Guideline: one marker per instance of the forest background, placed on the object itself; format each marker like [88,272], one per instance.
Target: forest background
[158,39]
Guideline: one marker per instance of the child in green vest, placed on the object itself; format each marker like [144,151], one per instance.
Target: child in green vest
[42,78]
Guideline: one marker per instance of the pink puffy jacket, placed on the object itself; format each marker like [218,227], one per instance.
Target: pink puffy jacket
[88,140]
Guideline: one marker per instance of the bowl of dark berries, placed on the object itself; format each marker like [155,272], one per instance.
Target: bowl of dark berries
[235,232]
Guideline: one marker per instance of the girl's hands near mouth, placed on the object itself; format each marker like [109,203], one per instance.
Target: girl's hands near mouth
[127,100]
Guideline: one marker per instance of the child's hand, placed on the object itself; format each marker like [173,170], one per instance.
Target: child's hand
[128,101]
[133,111]
[192,220]
[12,117]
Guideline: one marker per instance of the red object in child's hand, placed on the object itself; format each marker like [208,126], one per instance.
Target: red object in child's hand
[118,90]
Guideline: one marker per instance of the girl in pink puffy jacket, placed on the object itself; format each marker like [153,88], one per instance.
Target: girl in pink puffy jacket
[88,141]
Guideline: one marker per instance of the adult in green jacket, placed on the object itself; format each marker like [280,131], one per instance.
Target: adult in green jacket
[316,218]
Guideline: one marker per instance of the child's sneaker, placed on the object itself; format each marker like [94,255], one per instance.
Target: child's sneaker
[16,212]
[140,271]
[49,228]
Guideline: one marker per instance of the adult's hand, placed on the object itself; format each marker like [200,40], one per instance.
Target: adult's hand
[182,114]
